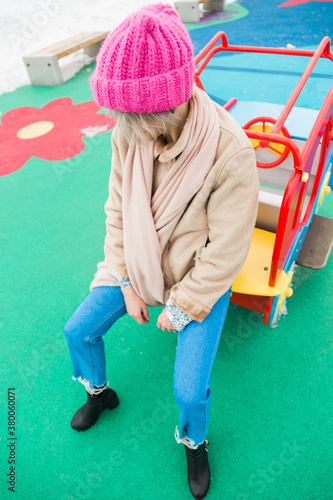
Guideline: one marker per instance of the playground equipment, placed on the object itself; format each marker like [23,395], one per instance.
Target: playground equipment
[294,152]
[43,67]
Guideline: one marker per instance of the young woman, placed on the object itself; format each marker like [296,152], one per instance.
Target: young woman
[183,195]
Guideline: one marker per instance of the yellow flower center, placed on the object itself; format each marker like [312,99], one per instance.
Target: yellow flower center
[35,130]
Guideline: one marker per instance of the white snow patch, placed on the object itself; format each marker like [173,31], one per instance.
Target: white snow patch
[71,64]
[92,131]
[288,46]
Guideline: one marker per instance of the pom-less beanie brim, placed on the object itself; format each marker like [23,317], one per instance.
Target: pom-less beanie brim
[148,94]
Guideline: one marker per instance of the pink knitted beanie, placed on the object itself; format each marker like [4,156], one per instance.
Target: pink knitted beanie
[146,64]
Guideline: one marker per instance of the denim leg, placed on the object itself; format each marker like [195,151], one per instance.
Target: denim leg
[84,330]
[196,351]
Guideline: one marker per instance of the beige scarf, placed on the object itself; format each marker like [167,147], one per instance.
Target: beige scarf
[148,222]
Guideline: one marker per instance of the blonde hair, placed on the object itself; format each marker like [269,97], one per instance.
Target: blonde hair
[140,127]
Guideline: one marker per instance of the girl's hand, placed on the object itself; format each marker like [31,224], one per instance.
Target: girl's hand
[164,323]
[135,306]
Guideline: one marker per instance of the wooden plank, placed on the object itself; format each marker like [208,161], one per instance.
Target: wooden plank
[87,43]
[66,47]
[55,48]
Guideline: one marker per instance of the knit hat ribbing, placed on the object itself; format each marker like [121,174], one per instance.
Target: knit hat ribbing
[146,64]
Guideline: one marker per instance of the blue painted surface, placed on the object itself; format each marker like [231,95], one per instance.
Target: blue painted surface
[261,77]
[298,123]
[301,25]
[267,78]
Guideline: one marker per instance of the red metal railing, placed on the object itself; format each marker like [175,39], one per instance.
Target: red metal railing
[290,221]
[323,51]
[262,50]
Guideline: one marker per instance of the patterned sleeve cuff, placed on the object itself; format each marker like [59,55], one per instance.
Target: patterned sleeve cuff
[123,282]
[178,318]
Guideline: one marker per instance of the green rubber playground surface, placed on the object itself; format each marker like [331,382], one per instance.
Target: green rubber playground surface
[271,427]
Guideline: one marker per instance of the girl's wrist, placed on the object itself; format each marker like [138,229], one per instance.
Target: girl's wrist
[127,291]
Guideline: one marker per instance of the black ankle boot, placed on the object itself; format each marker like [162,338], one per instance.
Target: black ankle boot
[198,472]
[89,413]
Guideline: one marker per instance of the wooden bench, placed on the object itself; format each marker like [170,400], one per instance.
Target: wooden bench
[42,65]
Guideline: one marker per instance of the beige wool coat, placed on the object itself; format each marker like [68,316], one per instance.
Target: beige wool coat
[209,245]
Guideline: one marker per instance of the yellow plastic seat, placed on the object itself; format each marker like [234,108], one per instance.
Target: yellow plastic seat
[254,276]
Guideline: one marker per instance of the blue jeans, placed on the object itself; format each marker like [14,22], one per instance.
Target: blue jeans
[196,350]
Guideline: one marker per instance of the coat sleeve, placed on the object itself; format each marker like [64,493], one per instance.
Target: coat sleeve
[231,215]
[113,245]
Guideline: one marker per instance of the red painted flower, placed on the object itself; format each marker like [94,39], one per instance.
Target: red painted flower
[52,133]
[293,3]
